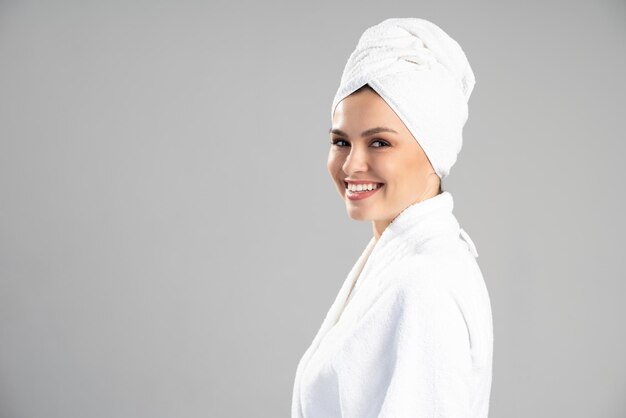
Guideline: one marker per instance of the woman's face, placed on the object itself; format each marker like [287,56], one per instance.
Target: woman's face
[390,158]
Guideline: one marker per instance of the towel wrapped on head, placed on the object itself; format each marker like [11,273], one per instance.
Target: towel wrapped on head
[423,75]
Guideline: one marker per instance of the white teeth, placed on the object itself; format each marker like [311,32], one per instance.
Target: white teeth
[362,187]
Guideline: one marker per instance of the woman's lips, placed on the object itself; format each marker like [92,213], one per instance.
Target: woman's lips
[363,194]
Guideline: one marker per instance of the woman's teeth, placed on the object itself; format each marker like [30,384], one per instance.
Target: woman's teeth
[363,187]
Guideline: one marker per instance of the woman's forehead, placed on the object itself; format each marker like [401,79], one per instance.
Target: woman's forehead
[363,111]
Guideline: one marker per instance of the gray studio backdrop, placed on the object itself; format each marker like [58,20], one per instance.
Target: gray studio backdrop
[170,240]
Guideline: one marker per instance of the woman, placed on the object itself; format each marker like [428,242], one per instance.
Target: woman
[410,332]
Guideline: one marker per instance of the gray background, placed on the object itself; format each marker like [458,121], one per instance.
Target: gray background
[170,239]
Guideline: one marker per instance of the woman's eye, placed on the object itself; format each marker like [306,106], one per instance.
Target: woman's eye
[381,142]
[336,142]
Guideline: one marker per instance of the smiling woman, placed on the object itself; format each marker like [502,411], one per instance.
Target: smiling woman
[386,155]
[410,331]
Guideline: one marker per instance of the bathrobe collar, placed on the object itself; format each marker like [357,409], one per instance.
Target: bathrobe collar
[417,223]
[409,234]
[411,231]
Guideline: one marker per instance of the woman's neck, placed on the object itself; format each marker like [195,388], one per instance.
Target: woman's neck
[378,227]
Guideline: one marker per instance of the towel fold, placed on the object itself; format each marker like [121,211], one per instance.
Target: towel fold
[423,75]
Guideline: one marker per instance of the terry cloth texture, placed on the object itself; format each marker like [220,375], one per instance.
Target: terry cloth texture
[415,337]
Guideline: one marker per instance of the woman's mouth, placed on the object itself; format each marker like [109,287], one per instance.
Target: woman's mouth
[361,191]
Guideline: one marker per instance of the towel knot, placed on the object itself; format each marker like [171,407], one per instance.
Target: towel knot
[419,55]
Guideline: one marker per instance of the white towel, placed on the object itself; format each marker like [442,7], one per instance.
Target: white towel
[423,75]
[415,339]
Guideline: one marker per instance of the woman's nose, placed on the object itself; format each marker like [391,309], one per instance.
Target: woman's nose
[355,161]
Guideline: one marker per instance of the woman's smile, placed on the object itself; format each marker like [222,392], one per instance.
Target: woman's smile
[360,195]
[358,190]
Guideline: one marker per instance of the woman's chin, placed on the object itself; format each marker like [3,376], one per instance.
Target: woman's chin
[358,214]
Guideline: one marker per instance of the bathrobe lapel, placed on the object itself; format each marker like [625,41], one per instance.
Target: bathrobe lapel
[380,263]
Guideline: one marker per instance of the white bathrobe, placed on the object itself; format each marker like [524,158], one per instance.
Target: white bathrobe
[414,338]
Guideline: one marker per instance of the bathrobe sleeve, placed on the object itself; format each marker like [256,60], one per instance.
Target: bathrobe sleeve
[431,370]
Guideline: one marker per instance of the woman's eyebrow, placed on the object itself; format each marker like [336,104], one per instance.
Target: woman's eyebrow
[368,132]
